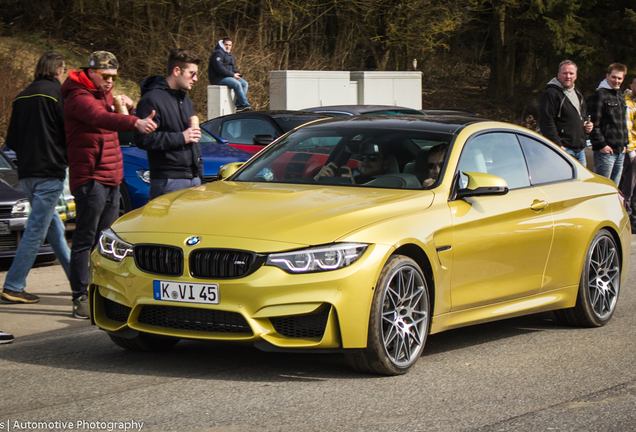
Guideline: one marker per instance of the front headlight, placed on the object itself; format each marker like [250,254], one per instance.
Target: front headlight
[21,209]
[144,175]
[318,259]
[112,247]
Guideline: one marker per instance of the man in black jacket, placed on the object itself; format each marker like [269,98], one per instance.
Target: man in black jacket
[562,112]
[174,152]
[222,71]
[608,111]
[36,134]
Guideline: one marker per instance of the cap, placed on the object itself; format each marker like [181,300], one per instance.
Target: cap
[102,60]
[369,148]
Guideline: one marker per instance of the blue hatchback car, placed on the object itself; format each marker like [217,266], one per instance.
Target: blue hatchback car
[136,186]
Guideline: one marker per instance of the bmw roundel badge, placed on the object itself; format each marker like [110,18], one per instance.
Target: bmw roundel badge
[193,241]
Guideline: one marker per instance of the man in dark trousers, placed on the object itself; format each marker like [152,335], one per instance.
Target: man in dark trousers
[563,113]
[95,162]
[174,153]
[222,71]
[609,137]
[36,134]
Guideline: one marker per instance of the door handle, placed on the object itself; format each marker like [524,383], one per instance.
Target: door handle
[538,205]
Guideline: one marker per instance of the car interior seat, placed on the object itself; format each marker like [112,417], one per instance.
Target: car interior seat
[394,167]
[418,166]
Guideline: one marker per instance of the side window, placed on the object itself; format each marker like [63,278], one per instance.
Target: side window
[242,131]
[496,153]
[545,165]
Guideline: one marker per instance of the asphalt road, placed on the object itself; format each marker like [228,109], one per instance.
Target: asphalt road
[525,374]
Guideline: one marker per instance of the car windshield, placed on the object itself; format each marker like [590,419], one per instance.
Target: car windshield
[352,157]
[206,137]
[4,163]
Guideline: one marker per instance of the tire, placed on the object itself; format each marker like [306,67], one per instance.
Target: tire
[399,321]
[145,342]
[40,259]
[124,200]
[599,286]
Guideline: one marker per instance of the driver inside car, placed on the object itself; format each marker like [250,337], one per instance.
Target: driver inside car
[436,156]
[373,162]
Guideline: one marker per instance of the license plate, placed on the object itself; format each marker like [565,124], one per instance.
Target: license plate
[4,228]
[186,292]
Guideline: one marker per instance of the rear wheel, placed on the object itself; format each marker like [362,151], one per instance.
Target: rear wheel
[145,342]
[399,320]
[599,286]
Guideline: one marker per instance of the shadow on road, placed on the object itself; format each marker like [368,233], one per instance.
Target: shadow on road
[89,349]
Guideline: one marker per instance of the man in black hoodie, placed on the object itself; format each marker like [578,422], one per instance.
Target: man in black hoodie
[174,152]
[36,134]
[562,112]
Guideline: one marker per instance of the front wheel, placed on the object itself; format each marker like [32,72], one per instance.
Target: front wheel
[399,320]
[599,286]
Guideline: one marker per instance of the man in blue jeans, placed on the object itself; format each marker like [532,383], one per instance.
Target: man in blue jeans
[609,139]
[36,134]
[222,71]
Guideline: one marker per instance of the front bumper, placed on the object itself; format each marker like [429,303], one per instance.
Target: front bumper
[289,311]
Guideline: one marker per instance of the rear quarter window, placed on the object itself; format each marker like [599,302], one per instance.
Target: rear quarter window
[544,163]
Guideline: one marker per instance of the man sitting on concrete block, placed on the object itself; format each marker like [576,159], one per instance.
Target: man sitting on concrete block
[222,71]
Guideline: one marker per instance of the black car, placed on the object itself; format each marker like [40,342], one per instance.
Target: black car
[251,131]
[351,110]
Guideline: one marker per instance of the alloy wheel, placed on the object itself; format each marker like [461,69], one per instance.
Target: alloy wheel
[603,277]
[405,315]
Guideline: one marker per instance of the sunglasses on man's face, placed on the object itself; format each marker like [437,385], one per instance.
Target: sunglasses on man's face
[107,76]
[435,164]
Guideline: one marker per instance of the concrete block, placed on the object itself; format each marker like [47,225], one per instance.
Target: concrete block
[220,101]
[292,90]
[403,88]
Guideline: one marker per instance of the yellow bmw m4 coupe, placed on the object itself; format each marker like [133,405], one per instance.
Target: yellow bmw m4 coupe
[363,235]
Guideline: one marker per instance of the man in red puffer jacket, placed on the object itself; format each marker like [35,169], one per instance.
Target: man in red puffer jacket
[94,160]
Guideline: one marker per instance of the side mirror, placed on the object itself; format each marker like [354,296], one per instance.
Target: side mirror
[482,184]
[262,140]
[229,169]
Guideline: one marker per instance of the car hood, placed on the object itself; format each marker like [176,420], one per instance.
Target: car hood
[282,213]
[135,156]
[214,156]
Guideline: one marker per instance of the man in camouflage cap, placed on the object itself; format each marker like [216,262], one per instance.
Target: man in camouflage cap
[95,160]
[102,60]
